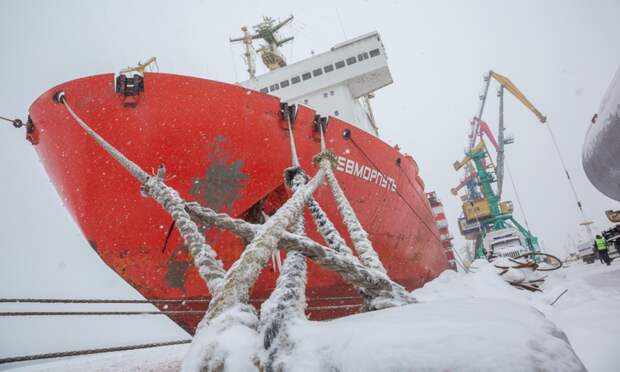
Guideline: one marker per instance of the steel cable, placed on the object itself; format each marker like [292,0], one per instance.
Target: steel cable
[25,358]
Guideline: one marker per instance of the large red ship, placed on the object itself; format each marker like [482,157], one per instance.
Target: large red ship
[226,146]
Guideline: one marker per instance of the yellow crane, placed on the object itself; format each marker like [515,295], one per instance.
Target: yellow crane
[483,210]
[506,83]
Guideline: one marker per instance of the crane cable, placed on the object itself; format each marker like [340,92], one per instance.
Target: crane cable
[570,181]
[514,188]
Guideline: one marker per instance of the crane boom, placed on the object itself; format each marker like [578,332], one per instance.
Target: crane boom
[506,83]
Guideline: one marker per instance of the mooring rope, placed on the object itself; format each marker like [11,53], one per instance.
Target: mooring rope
[16,122]
[287,301]
[243,273]
[210,268]
[100,301]
[231,289]
[358,235]
[324,225]
[294,158]
[63,354]
[103,313]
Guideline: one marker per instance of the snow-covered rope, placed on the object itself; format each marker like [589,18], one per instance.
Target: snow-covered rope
[287,302]
[358,235]
[229,307]
[370,284]
[229,312]
[324,225]
[247,230]
[327,229]
[243,273]
[294,157]
[276,261]
[204,256]
[129,165]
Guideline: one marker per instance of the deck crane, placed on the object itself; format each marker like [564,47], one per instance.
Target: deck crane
[486,219]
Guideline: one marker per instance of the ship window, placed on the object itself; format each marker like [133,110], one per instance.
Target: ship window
[295,79]
[351,61]
[274,87]
[317,72]
[284,84]
[374,52]
[340,64]
[362,56]
[264,90]
[325,94]
[331,92]
[306,76]
[328,68]
[306,101]
[336,113]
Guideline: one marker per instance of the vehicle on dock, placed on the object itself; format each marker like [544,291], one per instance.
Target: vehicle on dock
[507,242]
[588,254]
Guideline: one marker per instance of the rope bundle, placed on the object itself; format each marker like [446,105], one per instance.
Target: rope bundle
[229,307]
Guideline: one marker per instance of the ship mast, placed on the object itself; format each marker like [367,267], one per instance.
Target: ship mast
[248,56]
[269,52]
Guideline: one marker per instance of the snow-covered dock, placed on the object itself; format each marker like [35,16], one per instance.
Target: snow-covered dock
[463,322]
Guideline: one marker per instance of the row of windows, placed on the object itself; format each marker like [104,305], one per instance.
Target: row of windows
[319,71]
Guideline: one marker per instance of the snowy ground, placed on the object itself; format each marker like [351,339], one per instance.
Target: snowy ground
[464,322]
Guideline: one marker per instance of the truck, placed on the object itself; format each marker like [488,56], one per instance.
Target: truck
[587,253]
[506,242]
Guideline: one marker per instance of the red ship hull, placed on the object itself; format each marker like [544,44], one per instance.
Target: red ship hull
[225,147]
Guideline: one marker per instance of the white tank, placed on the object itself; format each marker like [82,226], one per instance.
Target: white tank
[601,150]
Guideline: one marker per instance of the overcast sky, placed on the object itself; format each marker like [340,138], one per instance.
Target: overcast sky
[561,54]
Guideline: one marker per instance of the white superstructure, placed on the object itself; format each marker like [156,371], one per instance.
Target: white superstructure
[335,83]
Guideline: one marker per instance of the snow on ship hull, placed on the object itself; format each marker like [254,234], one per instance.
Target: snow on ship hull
[601,149]
[226,148]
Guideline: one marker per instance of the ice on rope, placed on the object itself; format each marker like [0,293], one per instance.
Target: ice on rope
[359,236]
[287,302]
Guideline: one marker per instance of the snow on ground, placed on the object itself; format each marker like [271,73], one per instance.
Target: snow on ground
[589,313]
[464,322]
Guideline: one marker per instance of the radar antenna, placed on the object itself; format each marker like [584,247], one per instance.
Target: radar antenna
[267,31]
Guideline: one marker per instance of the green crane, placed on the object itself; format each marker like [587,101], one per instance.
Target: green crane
[499,216]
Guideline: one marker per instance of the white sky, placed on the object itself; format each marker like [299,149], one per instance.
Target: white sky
[561,54]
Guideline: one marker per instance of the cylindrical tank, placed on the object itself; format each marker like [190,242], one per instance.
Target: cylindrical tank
[601,149]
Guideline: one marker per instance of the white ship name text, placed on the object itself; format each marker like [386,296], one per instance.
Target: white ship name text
[366,173]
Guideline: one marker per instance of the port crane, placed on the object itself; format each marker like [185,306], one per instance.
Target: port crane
[486,218]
